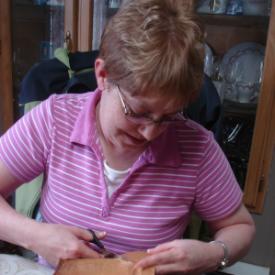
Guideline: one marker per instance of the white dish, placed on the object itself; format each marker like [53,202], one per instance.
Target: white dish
[242,66]
[208,60]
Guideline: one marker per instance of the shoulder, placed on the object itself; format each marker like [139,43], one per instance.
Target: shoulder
[67,104]
[70,100]
[191,133]
[190,127]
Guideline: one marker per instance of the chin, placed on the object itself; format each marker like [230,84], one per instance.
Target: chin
[132,141]
[128,141]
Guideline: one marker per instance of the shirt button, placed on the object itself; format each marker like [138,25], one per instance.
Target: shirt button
[104,212]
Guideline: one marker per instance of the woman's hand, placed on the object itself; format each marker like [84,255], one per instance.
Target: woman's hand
[195,257]
[183,257]
[55,242]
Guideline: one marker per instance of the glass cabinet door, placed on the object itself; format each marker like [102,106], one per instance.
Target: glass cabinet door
[103,10]
[238,45]
[37,30]
[236,68]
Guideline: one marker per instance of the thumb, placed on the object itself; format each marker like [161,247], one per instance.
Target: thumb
[87,235]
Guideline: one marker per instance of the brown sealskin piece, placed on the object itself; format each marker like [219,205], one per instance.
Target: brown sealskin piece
[117,266]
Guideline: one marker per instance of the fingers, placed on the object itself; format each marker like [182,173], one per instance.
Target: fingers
[99,235]
[65,242]
[161,248]
[86,235]
[82,247]
[87,252]
[155,259]
[164,257]
[164,262]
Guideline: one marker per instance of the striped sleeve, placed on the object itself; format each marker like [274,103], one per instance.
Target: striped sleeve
[218,193]
[25,146]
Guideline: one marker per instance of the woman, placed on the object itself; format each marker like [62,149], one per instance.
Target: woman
[123,161]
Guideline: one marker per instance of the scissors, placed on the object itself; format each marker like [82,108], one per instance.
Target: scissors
[102,249]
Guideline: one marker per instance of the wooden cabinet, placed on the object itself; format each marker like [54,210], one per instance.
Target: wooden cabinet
[223,32]
[6,94]
[263,137]
[84,21]
[29,32]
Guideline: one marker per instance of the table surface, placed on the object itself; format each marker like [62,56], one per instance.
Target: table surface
[14,264]
[18,265]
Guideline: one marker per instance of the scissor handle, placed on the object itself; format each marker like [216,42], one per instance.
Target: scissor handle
[95,240]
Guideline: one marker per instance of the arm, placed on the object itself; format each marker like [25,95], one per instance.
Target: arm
[24,151]
[236,231]
[51,241]
[195,257]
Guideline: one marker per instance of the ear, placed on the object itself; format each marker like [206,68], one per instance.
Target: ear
[100,73]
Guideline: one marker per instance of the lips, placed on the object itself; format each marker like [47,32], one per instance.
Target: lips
[134,140]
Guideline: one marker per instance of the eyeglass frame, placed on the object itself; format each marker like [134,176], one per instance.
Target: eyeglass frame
[143,119]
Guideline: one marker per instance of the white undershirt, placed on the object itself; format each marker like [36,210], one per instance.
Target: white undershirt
[113,177]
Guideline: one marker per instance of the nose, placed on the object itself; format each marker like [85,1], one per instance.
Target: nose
[151,131]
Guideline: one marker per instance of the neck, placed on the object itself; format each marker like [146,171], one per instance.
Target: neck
[117,157]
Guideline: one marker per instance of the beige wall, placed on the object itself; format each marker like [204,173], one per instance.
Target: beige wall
[263,249]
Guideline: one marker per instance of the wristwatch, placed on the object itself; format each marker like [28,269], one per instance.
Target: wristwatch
[225,260]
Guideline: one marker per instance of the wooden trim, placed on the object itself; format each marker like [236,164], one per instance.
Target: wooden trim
[262,144]
[71,22]
[6,88]
[85,25]
[263,188]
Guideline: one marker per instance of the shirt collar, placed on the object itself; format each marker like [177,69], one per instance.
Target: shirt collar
[84,130]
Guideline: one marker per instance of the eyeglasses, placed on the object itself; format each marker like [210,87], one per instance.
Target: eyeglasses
[144,118]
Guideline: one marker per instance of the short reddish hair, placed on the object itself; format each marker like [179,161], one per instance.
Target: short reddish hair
[154,46]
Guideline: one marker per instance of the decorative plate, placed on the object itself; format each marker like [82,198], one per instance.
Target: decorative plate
[241,69]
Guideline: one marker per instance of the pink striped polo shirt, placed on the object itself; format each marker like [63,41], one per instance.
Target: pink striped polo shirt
[182,170]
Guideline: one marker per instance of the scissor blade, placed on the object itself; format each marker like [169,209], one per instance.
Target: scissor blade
[109,254]
[102,249]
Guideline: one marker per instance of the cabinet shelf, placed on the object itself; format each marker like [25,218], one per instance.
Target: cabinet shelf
[232,20]
[239,109]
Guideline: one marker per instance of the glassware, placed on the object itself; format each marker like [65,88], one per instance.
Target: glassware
[114,4]
[234,7]
[218,6]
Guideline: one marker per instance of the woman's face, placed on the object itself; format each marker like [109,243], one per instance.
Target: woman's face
[120,129]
